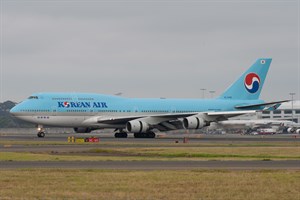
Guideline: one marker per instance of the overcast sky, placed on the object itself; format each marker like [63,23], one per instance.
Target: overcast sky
[142,48]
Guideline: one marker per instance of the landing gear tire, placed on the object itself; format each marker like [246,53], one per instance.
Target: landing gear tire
[41,134]
[149,134]
[121,135]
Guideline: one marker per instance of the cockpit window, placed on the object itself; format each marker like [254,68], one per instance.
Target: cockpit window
[33,97]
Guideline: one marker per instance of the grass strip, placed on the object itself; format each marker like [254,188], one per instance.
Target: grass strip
[178,153]
[190,153]
[160,184]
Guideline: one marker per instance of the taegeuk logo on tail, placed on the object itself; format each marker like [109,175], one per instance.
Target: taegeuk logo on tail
[252,82]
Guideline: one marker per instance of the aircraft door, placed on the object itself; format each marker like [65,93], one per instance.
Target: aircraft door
[173,110]
[135,109]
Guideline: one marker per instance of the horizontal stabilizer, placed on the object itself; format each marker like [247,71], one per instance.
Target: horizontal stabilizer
[273,107]
[255,106]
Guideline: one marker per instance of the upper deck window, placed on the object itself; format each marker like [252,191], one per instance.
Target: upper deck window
[62,99]
[33,97]
[86,99]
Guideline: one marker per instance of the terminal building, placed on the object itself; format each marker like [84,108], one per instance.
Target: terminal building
[286,111]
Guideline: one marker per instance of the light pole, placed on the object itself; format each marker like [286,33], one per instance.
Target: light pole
[212,93]
[292,94]
[203,89]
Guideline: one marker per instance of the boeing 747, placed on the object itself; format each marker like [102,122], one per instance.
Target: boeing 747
[86,112]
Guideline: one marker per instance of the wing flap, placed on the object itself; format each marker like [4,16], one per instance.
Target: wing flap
[156,119]
[228,114]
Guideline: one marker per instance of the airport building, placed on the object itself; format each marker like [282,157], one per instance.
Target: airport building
[287,111]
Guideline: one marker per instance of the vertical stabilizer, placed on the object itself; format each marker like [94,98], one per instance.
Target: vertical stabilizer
[249,85]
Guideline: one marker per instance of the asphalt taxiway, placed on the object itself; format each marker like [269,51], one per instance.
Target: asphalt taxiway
[154,165]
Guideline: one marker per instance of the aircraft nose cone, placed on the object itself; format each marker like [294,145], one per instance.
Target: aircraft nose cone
[14,110]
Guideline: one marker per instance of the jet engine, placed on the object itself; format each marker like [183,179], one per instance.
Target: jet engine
[194,122]
[298,131]
[290,130]
[82,130]
[136,126]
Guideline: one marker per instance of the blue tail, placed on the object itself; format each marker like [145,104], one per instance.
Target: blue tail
[249,85]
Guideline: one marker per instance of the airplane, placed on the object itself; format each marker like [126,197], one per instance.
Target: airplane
[86,112]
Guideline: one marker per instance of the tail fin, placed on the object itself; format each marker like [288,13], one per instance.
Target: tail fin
[249,85]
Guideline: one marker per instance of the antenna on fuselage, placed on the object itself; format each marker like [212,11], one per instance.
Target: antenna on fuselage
[118,94]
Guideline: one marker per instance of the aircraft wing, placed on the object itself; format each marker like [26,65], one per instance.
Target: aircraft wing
[171,121]
[125,119]
[228,114]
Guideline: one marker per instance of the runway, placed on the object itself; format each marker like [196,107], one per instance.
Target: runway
[155,165]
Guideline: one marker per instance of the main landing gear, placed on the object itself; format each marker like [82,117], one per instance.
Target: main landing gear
[121,134]
[148,134]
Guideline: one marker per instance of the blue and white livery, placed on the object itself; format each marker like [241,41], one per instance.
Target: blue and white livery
[142,116]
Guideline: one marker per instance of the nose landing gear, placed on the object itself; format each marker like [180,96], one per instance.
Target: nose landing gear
[41,132]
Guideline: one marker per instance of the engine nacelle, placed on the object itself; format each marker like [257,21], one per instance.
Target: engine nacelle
[194,122]
[82,130]
[136,126]
[290,130]
[298,131]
